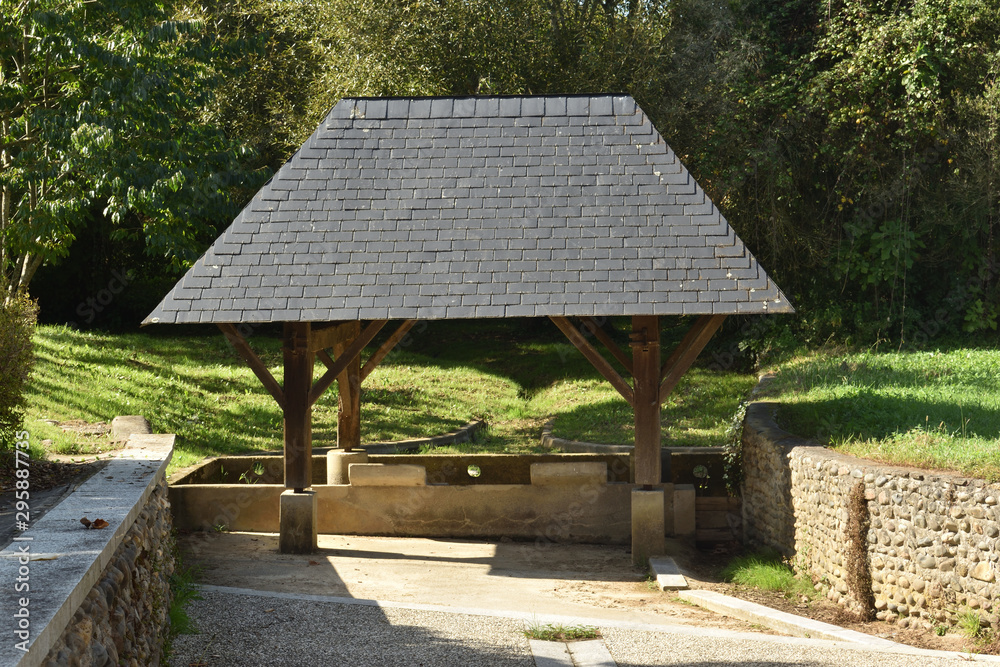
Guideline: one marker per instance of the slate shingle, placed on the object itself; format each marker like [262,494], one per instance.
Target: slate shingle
[476,207]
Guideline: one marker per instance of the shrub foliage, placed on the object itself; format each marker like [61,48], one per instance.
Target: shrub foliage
[17,323]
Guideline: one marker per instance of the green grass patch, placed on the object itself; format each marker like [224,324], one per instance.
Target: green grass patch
[513,375]
[557,632]
[927,409]
[768,572]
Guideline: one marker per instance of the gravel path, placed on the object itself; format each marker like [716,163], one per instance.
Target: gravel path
[259,630]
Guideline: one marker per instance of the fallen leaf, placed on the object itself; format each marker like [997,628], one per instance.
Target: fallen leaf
[313,562]
[268,611]
[86,522]
[100,523]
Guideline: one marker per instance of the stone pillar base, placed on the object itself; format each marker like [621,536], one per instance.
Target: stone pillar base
[297,522]
[647,525]
[684,504]
[337,461]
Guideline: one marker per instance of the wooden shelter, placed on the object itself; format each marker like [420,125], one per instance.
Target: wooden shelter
[568,206]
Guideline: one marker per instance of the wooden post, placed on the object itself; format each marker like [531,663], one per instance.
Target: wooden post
[645,342]
[299,359]
[349,390]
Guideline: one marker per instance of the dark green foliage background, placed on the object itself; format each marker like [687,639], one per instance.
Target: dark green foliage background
[852,144]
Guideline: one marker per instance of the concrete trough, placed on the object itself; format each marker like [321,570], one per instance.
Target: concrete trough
[576,497]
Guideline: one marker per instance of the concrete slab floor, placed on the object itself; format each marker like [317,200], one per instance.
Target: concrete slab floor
[559,579]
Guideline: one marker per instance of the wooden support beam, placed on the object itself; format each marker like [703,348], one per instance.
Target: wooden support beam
[352,351]
[386,348]
[325,336]
[256,365]
[645,343]
[591,325]
[594,357]
[349,392]
[299,361]
[687,351]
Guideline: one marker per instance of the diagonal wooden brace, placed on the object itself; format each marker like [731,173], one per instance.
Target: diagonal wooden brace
[591,325]
[256,365]
[687,351]
[352,351]
[386,348]
[594,357]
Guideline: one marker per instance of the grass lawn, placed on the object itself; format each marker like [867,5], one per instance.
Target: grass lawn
[928,409]
[513,374]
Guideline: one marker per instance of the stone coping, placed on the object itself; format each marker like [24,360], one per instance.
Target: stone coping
[463,434]
[550,441]
[65,560]
[760,415]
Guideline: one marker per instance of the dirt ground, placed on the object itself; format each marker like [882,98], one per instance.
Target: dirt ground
[571,580]
[578,580]
[703,566]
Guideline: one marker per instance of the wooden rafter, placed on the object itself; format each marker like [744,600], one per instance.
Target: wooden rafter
[687,351]
[386,348]
[594,357]
[256,365]
[591,325]
[352,351]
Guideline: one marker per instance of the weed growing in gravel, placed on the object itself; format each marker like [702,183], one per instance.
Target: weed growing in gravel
[557,632]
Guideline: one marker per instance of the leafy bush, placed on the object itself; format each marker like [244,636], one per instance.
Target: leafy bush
[17,323]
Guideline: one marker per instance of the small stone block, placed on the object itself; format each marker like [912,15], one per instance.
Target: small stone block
[668,576]
[647,525]
[337,462]
[382,474]
[128,425]
[684,501]
[297,522]
[549,654]
[591,653]
[581,473]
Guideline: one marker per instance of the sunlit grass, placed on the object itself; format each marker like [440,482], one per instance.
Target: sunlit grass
[768,572]
[444,377]
[928,409]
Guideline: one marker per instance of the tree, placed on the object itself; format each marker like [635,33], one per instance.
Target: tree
[300,58]
[101,107]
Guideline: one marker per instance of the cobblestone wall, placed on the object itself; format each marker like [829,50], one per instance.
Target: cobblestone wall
[124,618]
[932,545]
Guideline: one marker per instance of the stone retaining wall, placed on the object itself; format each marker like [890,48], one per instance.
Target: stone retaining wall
[95,597]
[931,546]
[124,619]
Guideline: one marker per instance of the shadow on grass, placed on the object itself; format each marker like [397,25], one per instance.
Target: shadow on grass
[874,417]
[881,402]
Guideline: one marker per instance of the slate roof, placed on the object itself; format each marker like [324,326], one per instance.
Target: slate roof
[471,207]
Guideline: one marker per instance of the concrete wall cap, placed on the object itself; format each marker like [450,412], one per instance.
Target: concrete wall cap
[386,474]
[569,473]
